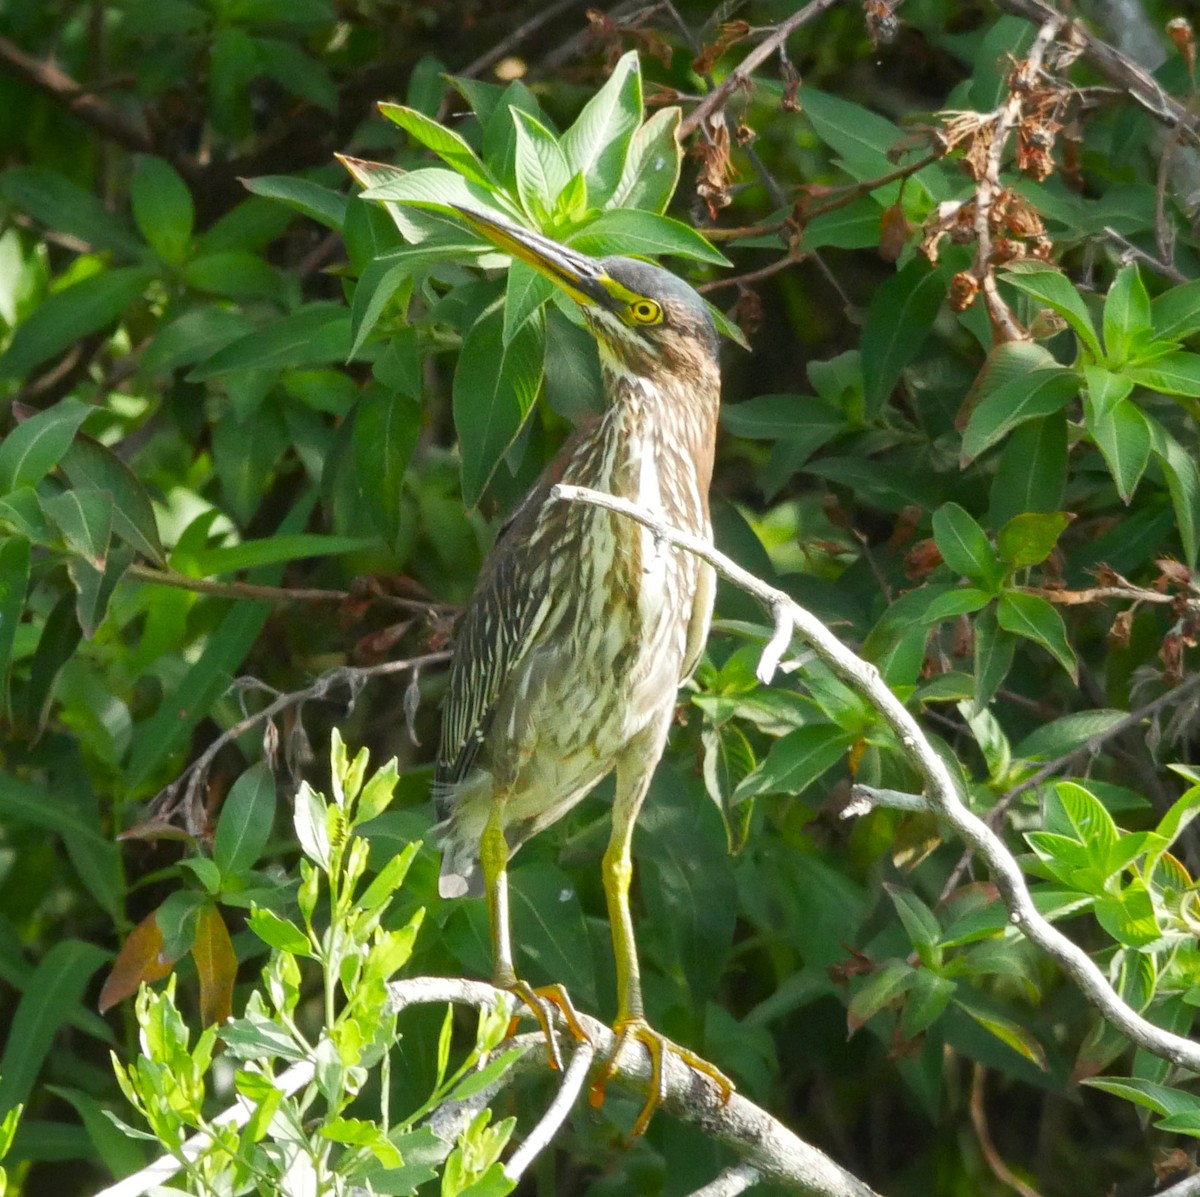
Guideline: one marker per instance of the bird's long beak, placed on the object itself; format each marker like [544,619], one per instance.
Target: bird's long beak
[580,276]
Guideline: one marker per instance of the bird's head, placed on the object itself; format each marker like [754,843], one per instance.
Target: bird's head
[645,320]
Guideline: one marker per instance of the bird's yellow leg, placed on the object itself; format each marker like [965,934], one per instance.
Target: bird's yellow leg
[493,859]
[631,1021]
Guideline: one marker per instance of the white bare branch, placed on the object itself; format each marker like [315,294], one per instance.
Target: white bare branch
[940,791]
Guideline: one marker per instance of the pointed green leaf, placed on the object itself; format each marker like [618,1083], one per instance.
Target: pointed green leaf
[1028,397]
[1175,314]
[14,584]
[899,318]
[494,388]
[94,587]
[1123,437]
[633,233]
[71,314]
[598,141]
[651,171]
[1033,617]
[1053,289]
[1174,374]
[314,335]
[35,446]
[247,816]
[1183,483]
[964,545]
[84,517]
[1031,474]
[1029,538]
[449,146]
[795,761]
[993,656]
[386,428]
[542,169]
[91,465]
[1126,315]
[321,204]
[67,208]
[162,207]
[527,290]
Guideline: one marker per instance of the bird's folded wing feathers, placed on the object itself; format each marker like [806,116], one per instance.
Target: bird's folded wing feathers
[498,629]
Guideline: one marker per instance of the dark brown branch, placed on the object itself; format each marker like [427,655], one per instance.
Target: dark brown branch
[738,77]
[1114,65]
[75,97]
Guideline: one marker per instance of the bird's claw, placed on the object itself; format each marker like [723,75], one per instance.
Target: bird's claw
[658,1046]
[537,1000]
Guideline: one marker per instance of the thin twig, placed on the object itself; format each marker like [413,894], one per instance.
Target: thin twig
[184,790]
[731,1182]
[556,1113]
[1131,252]
[752,276]
[1003,1173]
[741,73]
[272,594]
[939,787]
[526,29]
[1190,1187]
[1138,83]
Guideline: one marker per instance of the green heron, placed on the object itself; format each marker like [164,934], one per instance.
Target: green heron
[571,651]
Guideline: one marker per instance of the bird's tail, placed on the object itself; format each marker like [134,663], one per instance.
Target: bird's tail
[461,876]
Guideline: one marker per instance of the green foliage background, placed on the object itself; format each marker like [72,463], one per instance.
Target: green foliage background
[220,362]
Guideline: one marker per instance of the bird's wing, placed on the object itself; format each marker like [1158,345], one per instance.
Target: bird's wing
[497,630]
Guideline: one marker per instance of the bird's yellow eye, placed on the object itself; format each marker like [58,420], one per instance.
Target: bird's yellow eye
[645,311]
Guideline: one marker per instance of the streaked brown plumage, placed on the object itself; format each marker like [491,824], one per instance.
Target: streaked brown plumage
[570,654]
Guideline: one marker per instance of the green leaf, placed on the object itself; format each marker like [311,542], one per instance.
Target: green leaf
[919,922]
[14,584]
[1031,474]
[1129,916]
[314,335]
[633,233]
[440,189]
[51,997]
[34,447]
[1105,390]
[95,586]
[962,600]
[322,204]
[1160,1098]
[494,388]
[162,207]
[247,815]
[899,318]
[60,637]
[598,141]
[1183,483]
[1126,315]
[235,274]
[549,925]
[84,517]
[226,559]
[92,466]
[892,980]
[386,428]
[1027,397]
[1029,538]
[795,761]
[449,146]
[66,208]
[1067,733]
[993,656]
[71,314]
[542,169]
[1175,314]
[1007,1031]
[1034,618]
[1174,374]
[964,546]
[278,933]
[1123,437]
[526,291]
[774,417]
[651,171]
[1053,289]
[861,138]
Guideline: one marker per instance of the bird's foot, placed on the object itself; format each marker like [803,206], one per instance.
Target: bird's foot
[658,1046]
[538,1000]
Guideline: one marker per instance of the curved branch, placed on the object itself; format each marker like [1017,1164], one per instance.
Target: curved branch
[939,786]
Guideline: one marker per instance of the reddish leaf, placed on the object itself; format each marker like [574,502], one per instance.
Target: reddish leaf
[216,965]
[140,959]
